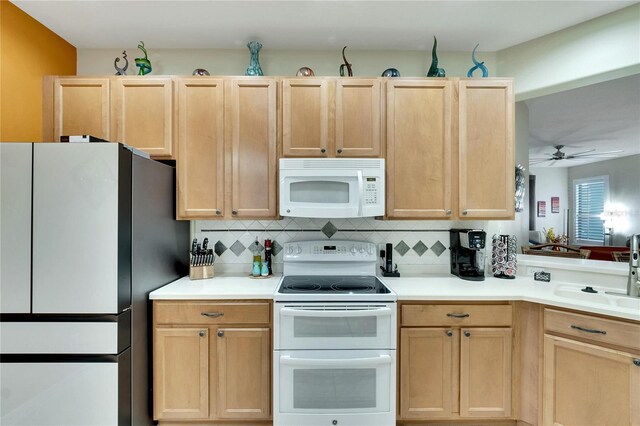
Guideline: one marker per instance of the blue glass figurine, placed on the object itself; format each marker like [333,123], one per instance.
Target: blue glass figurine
[478,65]
[434,71]
[143,63]
[254,64]
[391,72]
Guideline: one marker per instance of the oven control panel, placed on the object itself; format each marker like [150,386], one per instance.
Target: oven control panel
[330,251]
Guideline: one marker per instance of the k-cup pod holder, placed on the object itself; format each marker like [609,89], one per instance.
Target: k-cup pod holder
[504,263]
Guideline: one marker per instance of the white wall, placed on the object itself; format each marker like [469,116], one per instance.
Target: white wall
[598,50]
[281,62]
[552,182]
[624,188]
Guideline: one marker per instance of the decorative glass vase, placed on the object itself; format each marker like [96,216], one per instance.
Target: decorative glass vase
[254,63]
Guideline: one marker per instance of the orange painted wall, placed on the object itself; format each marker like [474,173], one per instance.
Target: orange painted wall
[28,51]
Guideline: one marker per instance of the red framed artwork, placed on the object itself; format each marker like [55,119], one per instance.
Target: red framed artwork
[542,208]
[555,204]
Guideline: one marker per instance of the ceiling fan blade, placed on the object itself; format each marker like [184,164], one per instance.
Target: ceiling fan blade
[603,152]
[593,156]
[553,162]
[538,161]
[581,153]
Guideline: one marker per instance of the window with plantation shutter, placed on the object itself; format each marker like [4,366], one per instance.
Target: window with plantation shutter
[590,195]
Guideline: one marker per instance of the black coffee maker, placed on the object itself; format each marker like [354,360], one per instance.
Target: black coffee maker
[467,253]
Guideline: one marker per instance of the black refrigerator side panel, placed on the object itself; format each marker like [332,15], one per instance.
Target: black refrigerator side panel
[125,176]
[160,247]
[15,227]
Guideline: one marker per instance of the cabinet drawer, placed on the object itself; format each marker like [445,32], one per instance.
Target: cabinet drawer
[600,330]
[456,315]
[211,313]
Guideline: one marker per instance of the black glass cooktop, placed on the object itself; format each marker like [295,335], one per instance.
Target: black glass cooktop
[308,284]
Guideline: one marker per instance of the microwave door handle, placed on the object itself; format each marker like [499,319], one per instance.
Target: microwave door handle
[352,362]
[361,192]
[377,312]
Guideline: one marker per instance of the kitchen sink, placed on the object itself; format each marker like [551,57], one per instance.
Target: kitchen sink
[575,293]
[628,302]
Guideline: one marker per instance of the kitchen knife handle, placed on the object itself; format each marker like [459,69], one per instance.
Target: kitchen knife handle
[212,314]
[458,315]
[205,243]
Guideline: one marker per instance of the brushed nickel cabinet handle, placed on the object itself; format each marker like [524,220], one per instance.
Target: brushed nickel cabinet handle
[339,151]
[212,314]
[218,212]
[220,333]
[449,333]
[458,315]
[448,212]
[467,333]
[323,150]
[202,333]
[464,212]
[588,330]
[234,211]
[636,362]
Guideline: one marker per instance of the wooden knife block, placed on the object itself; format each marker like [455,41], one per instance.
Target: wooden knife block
[201,272]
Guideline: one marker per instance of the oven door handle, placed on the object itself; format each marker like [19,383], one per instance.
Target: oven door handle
[349,362]
[377,312]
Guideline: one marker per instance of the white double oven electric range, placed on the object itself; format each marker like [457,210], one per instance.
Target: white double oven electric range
[334,358]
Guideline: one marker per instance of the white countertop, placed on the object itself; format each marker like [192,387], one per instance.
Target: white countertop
[425,288]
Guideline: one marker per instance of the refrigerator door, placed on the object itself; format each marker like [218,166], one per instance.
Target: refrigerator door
[81,228]
[61,391]
[15,227]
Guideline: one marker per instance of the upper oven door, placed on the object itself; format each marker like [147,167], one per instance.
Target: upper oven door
[335,326]
[321,193]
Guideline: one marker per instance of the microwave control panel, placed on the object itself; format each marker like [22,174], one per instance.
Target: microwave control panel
[371,190]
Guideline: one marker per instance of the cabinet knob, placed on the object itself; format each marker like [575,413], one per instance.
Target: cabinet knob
[449,333]
[448,212]
[202,333]
[220,333]
[339,151]
[323,150]
[636,362]
[467,333]
[464,212]
[218,212]
[234,212]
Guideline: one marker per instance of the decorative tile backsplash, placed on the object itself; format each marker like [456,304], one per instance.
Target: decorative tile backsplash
[414,242]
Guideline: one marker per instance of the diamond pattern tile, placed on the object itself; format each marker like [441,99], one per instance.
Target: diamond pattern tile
[402,248]
[219,248]
[438,248]
[329,229]
[276,248]
[420,248]
[237,248]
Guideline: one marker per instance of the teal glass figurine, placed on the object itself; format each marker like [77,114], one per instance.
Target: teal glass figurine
[143,63]
[477,65]
[123,70]
[346,65]
[434,71]
[254,63]
[391,72]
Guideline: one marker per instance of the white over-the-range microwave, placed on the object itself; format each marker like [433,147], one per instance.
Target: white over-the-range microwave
[332,187]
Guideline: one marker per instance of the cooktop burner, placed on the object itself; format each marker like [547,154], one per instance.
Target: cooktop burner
[332,284]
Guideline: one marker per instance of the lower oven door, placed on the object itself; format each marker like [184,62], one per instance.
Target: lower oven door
[328,387]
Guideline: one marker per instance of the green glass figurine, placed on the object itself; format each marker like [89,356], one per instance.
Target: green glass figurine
[434,71]
[254,63]
[477,65]
[143,63]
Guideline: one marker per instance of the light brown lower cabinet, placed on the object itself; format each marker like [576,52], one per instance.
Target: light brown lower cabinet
[459,370]
[212,362]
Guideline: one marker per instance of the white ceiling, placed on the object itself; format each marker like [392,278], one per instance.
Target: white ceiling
[315,25]
[603,116]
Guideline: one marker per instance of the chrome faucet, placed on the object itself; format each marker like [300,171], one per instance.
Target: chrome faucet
[633,284]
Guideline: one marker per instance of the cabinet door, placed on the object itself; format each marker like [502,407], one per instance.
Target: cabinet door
[419,149]
[589,385]
[252,130]
[81,107]
[142,114]
[244,373]
[428,372]
[485,372]
[486,149]
[305,117]
[200,165]
[181,373]
[358,117]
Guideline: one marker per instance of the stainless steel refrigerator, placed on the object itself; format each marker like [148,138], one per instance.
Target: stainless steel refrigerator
[87,230]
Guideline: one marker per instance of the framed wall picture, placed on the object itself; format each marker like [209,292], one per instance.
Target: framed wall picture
[555,204]
[542,208]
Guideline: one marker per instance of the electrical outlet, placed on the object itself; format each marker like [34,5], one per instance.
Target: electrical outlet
[542,276]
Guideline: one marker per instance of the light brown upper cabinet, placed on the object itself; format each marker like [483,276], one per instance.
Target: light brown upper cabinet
[331,117]
[419,148]
[80,107]
[251,132]
[142,114]
[200,166]
[486,149]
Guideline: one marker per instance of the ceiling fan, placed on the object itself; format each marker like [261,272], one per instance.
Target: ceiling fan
[559,155]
